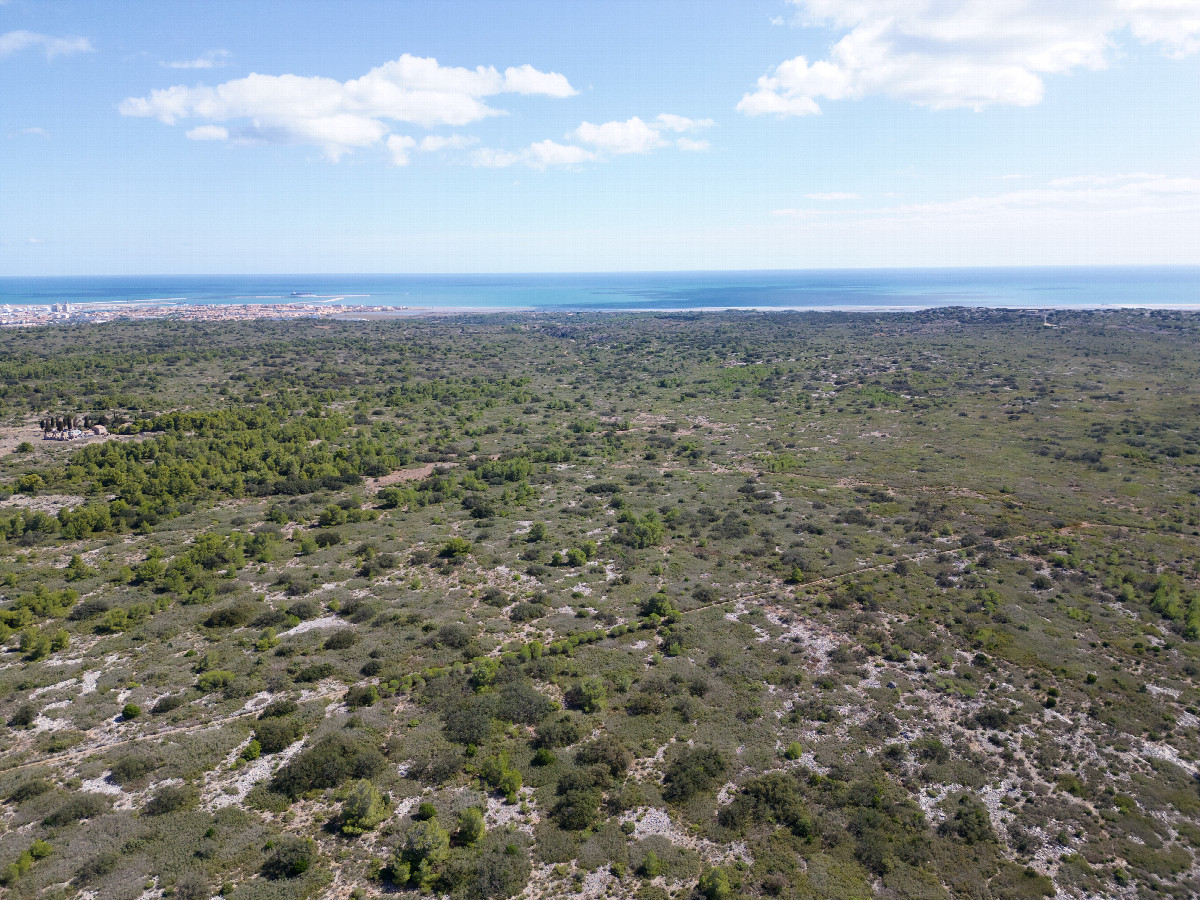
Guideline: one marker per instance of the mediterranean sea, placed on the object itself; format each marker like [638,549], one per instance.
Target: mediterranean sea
[1175,287]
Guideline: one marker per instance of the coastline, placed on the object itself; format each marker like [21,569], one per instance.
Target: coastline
[99,313]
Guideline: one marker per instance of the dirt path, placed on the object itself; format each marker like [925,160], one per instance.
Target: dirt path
[414,474]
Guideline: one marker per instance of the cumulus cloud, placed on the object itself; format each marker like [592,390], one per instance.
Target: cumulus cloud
[604,140]
[342,116]
[213,59]
[541,155]
[946,54]
[631,136]
[15,41]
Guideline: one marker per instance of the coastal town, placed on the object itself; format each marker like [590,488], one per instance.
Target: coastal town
[93,313]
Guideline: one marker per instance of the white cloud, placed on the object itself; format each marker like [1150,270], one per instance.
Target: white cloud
[636,136]
[607,139]
[208,133]
[541,155]
[832,195]
[528,80]
[630,136]
[341,116]
[436,142]
[36,132]
[681,123]
[213,59]
[963,53]
[399,146]
[15,41]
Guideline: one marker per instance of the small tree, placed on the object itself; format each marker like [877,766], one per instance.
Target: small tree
[471,826]
[423,849]
[589,695]
[714,885]
[363,808]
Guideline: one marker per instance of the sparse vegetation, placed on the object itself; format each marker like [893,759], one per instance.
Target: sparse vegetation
[726,605]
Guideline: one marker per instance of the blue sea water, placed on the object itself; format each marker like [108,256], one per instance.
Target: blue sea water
[864,289]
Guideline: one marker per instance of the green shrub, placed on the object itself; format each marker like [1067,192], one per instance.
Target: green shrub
[577,805]
[76,808]
[291,857]
[362,809]
[131,767]
[131,711]
[318,672]
[231,616]
[27,790]
[216,680]
[24,716]
[168,703]
[694,771]
[361,695]
[274,735]
[562,733]
[498,774]
[278,708]
[454,548]
[327,763]
[589,695]
[341,640]
[171,798]
[471,826]
[714,885]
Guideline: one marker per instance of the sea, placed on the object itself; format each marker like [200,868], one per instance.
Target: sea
[874,290]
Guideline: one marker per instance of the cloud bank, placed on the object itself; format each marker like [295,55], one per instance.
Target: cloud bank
[947,54]
[341,116]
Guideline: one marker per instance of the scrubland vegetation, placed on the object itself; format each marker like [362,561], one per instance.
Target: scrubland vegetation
[730,605]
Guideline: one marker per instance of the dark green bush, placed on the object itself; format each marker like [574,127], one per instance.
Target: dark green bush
[168,703]
[561,733]
[276,734]
[277,709]
[341,640]
[327,763]
[27,790]
[171,798]
[75,808]
[694,771]
[291,857]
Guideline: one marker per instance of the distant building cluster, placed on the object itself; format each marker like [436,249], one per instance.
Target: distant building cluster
[63,313]
[72,434]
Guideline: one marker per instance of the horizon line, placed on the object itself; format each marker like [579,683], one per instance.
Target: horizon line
[549,272]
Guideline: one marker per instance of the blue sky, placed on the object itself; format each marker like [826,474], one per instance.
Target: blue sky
[536,136]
